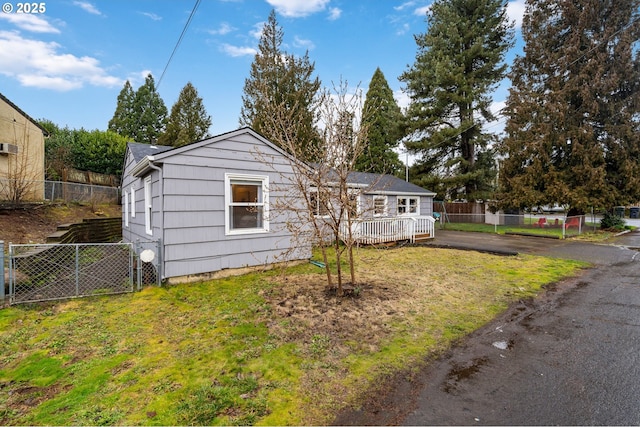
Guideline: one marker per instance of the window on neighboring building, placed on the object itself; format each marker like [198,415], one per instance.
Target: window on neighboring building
[246,199]
[379,205]
[319,202]
[148,205]
[354,203]
[408,206]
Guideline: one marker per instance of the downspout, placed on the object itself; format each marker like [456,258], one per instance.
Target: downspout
[161,202]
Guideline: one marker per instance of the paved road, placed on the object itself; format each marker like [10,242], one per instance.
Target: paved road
[571,357]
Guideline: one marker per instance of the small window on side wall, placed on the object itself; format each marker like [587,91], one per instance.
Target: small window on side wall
[148,206]
[246,204]
[319,202]
[125,203]
[133,202]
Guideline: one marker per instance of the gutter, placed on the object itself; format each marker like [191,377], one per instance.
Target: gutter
[148,164]
[143,166]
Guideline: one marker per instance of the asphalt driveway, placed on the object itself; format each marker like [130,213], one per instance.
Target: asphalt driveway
[570,357]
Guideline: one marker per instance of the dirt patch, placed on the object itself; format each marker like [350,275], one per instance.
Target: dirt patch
[32,224]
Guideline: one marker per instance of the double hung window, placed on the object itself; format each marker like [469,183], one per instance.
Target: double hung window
[246,204]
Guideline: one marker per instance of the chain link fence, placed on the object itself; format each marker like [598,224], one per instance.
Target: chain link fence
[45,272]
[545,225]
[58,190]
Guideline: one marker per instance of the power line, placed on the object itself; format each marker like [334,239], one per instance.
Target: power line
[184,31]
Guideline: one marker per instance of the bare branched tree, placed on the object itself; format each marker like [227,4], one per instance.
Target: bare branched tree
[23,180]
[322,207]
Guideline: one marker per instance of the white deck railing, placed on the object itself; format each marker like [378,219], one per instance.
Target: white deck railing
[384,230]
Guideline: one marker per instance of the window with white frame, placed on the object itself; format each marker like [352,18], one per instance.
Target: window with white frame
[353,203]
[133,202]
[319,202]
[126,209]
[408,206]
[379,205]
[148,205]
[246,204]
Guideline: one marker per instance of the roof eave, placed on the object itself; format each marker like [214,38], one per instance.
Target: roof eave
[143,167]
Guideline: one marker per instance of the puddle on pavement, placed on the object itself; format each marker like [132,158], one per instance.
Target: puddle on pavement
[503,345]
[463,372]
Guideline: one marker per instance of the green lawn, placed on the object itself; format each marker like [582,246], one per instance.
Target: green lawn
[255,349]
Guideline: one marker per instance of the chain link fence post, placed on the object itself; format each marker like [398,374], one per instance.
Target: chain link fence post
[2,282]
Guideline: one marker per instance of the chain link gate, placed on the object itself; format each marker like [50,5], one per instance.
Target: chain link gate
[45,272]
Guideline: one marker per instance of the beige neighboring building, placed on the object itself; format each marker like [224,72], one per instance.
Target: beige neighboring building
[21,155]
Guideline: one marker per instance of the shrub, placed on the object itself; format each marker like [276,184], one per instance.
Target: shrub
[612,222]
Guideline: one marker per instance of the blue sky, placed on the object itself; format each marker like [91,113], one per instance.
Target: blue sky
[69,62]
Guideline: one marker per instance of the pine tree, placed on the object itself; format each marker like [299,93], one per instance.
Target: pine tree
[188,121]
[150,113]
[460,61]
[573,129]
[280,84]
[123,121]
[381,116]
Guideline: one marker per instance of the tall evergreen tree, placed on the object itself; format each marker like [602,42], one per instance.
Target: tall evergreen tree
[381,116]
[281,84]
[460,61]
[150,113]
[573,129]
[123,121]
[188,121]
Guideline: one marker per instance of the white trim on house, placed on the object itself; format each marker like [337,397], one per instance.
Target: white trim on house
[148,205]
[261,204]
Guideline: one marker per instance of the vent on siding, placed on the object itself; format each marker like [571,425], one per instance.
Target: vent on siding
[6,148]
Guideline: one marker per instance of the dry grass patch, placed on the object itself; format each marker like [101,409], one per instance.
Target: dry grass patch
[408,303]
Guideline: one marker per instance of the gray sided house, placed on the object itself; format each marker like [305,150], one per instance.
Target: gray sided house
[386,209]
[208,204]
[388,196]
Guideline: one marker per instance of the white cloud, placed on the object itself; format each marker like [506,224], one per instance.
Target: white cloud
[298,8]
[404,28]
[37,63]
[237,51]
[405,5]
[402,99]
[307,44]
[88,7]
[223,29]
[515,10]
[29,22]
[496,126]
[137,78]
[334,13]
[422,11]
[151,16]
[258,28]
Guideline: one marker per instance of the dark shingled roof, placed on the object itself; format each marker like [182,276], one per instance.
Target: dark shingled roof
[372,181]
[140,151]
[386,183]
